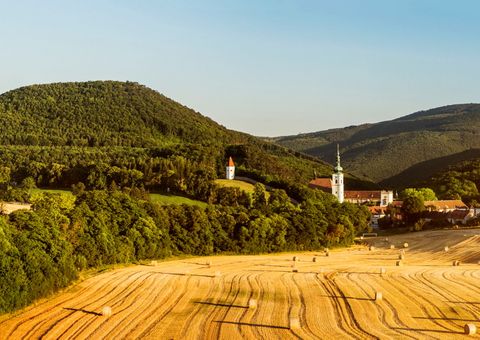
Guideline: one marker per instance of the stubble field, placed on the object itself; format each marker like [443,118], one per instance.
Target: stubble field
[334,297]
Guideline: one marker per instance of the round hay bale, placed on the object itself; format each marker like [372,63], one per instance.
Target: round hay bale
[446,248]
[383,270]
[470,329]
[295,258]
[399,263]
[401,257]
[456,263]
[378,296]
[314,259]
[327,253]
[294,323]
[252,303]
[107,311]
[361,237]
[405,245]
[371,248]
[153,263]
[386,239]
[392,246]
[326,250]
[295,270]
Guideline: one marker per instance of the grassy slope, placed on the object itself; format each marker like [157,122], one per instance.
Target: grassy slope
[247,187]
[155,197]
[172,199]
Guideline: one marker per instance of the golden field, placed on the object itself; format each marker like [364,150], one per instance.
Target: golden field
[426,297]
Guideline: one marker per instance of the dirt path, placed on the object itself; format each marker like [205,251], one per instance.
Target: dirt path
[427,297]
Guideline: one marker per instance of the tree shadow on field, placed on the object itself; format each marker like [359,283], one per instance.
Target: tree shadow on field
[251,324]
[83,310]
[220,304]
[452,319]
[425,330]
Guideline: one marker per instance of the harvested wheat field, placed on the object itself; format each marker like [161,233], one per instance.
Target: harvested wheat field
[353,293]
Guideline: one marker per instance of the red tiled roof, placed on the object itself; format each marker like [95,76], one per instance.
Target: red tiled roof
[377,210]
[363,194]
[321,182]
[446,204]
[230,162]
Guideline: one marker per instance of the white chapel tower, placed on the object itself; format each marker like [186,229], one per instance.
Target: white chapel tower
[337,179]
[230,169]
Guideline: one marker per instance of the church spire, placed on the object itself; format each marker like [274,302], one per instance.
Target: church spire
[338,167]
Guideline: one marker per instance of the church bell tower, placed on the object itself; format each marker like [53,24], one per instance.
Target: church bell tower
[337,179]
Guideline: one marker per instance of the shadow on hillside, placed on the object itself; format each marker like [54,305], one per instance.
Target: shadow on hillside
[424,170]
[251,324]
[220,304]
[83,310]
[425,330]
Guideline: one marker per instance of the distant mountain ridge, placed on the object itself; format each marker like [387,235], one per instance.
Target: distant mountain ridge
[383,150]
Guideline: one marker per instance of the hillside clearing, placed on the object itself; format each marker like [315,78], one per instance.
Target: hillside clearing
[232,183]
[427,297]
[172,199]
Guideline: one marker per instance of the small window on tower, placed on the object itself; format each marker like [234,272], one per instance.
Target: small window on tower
[336,181]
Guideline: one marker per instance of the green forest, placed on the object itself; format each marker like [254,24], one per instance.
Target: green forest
[113,143]
[44,249]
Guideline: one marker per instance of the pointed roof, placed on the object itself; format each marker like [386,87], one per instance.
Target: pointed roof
[338,167]
[230,162]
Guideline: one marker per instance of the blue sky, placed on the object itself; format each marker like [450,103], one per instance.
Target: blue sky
[265,67]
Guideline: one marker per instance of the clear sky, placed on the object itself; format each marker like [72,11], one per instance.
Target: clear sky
[267,67]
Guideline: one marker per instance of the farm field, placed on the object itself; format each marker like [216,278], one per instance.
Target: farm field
[426,297]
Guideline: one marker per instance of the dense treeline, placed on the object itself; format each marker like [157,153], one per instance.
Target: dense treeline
[458,182]
[43,250]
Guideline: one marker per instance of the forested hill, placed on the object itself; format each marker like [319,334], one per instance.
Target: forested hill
[64,133]
[382,150]
[102,113]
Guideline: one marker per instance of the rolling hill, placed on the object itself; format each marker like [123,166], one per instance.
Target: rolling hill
[124,124]
[382,151]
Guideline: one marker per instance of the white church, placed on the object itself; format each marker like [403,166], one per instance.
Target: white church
[230,171]
[335,186]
